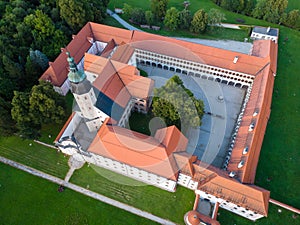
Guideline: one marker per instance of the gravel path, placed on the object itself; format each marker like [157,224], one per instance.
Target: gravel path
[86,192]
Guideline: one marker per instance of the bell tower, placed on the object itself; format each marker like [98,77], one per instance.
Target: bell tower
[84,95]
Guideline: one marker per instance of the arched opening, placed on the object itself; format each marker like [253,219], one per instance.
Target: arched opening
[154,64]
[172,69]
[224,81]
[178,70]
[204,77]
[159,66]
[142,62]
[184,72]
[197,75]
[218,80]
[148,63]
[238,85]
[245,86]
[231,83]
[166,68]
[191,74]
[210,78]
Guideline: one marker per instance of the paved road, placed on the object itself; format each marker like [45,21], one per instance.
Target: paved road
[121,21]
[86,192]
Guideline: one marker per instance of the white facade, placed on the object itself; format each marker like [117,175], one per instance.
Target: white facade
[230,206]
[259,36]
[195,69]
[186,181]
[64,88]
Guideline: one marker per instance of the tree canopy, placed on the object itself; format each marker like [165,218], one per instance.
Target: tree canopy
[172,18]
[176,105]
[199,22]
[41,105]
[159,8]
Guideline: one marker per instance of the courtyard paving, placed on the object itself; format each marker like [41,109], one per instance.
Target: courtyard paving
[209,141]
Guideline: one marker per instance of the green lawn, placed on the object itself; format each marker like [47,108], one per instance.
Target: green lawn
[139,122]
[34,155]
[274,218]
[162,203]
[27,200]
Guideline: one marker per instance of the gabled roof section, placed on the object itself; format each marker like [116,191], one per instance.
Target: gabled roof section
[135,149]
[58,71]
[106,33]
[123,53]
[172,138]
[217,183]
[108,48]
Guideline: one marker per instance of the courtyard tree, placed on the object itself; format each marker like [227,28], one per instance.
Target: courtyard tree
[199,22]
[159,8]
[172,18]
[176,105]
[127,10]
[138,16]
[185,18]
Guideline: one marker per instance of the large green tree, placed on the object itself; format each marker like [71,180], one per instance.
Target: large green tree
[159,8]
[199,22]
[185,18]
[270,10]
[172,18]
[77,13]
[39,106]
[291,18]
[215,17]
[176,105]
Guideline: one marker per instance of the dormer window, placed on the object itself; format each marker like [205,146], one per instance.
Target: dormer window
[245,151]
[241,164]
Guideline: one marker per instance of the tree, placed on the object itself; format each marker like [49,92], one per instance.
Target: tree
[46,105]
[39,58]
[249,6]
[31,109]
[270,10]
[14,69]
[233,5]
[215,17]
[199,22]
[185,18]
[127,10]
[172,18]
[290,19]
[149,16]
[76,13]
[159,8]
[138,16]
[177,105]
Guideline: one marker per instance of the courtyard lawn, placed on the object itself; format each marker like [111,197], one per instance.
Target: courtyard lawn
[139,122]
[34,155]
[161,203]
[27,200]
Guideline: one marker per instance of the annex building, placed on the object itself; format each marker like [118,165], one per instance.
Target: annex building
[101,68]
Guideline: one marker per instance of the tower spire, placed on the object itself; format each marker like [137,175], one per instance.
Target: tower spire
[74,75]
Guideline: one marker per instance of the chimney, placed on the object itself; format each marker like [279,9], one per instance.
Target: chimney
[268,29]
[235,59]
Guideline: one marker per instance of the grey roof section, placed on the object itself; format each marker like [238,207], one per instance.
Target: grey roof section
[81,88]
[264,30]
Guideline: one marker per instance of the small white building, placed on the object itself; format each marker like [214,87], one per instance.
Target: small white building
[265,33]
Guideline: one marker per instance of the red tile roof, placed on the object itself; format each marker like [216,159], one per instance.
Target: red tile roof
[135,149]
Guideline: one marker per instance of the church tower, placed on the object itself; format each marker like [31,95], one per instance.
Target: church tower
[84,95]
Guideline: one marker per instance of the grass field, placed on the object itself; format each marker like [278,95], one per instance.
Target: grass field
[162,203]
[279,160]
[28,200]
[34,155]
